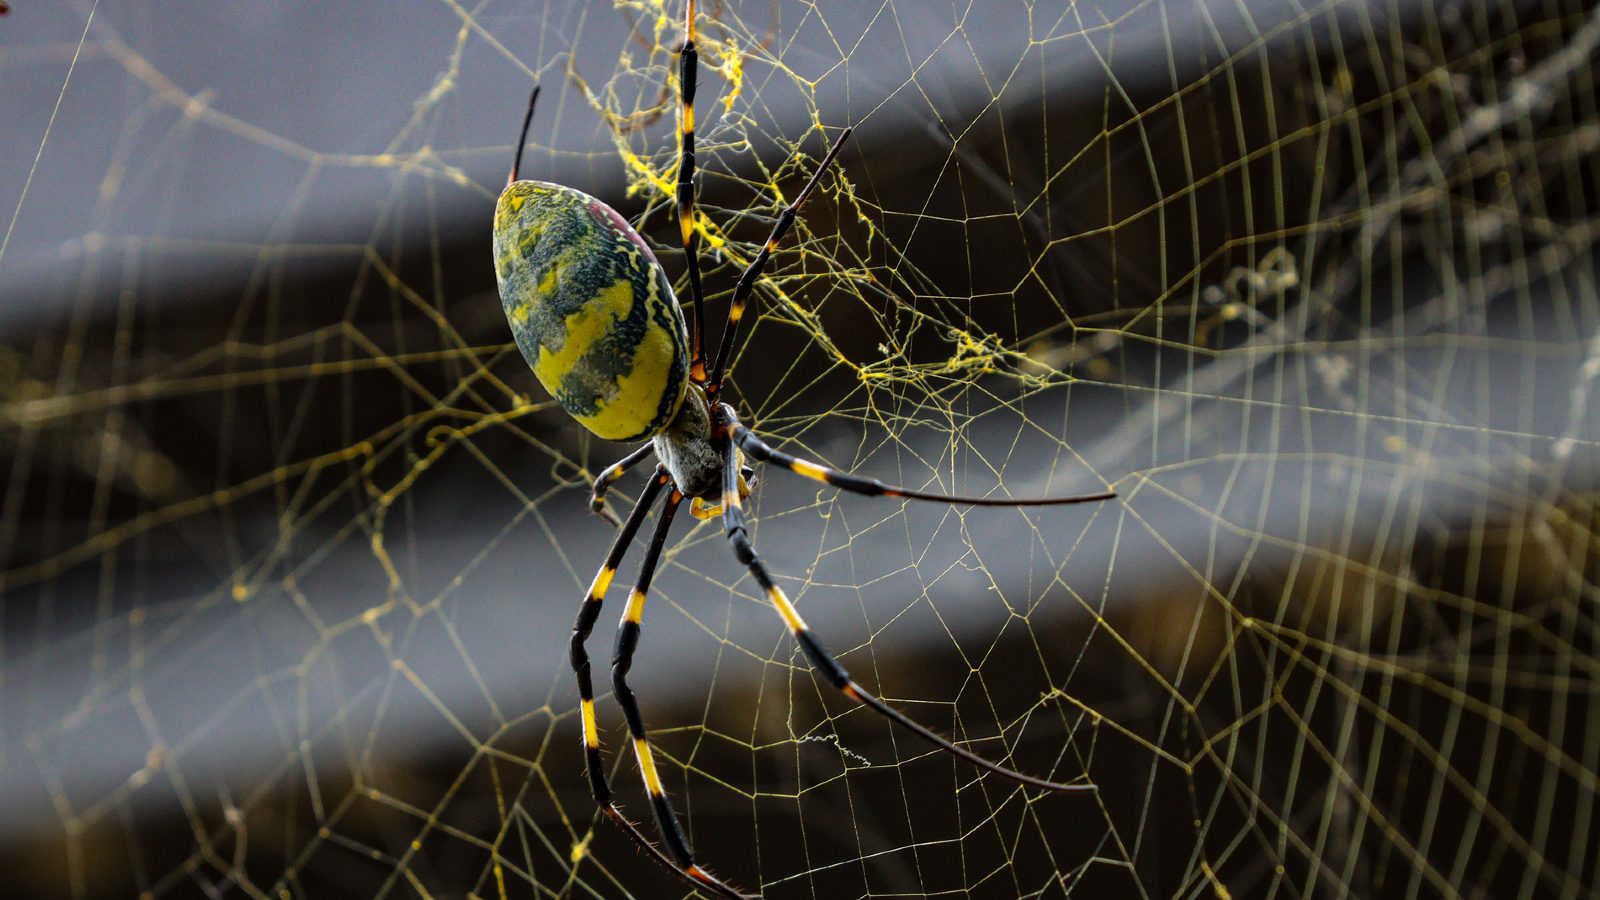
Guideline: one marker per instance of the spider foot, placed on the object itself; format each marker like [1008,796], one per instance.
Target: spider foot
[599,508]
[692,873]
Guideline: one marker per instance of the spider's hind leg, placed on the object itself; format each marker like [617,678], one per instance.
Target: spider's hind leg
[688,68]
[747,281]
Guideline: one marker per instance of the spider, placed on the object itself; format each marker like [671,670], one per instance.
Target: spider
[596,319]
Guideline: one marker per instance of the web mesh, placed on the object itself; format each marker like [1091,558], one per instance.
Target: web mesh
[289,564]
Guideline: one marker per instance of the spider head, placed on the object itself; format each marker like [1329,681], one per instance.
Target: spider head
[685,448]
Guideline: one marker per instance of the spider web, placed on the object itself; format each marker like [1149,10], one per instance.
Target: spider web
[291,540]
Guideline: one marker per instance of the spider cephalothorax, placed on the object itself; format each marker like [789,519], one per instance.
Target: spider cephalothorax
[685,447]
[595,316]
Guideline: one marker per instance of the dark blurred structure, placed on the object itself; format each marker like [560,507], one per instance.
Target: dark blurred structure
[291,544]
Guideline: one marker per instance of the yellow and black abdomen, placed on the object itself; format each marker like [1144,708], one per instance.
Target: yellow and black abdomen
[591,310]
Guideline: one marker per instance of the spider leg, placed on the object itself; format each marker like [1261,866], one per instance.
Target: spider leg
[587,614]
[824,663]
[677,856]
[608,477]
[582,628]
[747,281]
[872,487]
[688,68]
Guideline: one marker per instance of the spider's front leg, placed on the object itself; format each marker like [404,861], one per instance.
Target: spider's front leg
[588,613]
[678,855]
[823,662]
[628,635]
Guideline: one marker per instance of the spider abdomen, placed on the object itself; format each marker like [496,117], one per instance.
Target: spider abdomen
[591,310]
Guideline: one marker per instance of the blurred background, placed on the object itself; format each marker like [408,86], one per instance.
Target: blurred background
[291,540]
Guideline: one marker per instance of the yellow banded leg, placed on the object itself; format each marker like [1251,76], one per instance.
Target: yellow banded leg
[608,477]
[581,629]
[678,855]
[747,281]
[824,663]
[872,487]
[688,69]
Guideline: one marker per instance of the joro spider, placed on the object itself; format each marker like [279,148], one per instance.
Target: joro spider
[595,317]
